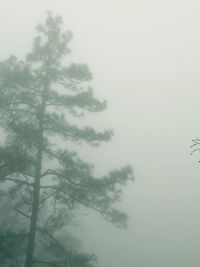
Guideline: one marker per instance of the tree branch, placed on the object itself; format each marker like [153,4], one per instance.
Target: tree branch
[48,196]
[22,213]
[16,181]
[58,244]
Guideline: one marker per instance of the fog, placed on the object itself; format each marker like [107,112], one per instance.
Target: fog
[145,60]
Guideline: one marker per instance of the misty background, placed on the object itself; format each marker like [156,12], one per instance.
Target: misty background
[145,60]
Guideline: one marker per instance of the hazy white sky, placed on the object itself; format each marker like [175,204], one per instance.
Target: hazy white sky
[145,59]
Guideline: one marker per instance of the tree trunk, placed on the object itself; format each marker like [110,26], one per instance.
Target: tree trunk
[36,187]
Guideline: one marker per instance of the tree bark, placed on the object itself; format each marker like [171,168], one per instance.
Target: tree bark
[36,187]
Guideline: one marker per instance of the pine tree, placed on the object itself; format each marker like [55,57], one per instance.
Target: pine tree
[39,95]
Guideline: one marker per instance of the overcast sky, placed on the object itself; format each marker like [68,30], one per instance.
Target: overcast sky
[145,60]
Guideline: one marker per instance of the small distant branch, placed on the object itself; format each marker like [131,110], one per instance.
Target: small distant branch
[48,186]
[69,85]
[27,180]
[48,196]
[53,211]
[58,244]
[58,175]
[28,174]
[22,213]
[46,173]
[16,181]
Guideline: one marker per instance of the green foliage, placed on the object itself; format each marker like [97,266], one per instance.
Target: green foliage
[37,96]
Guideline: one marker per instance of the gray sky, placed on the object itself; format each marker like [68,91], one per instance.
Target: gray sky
[145,59]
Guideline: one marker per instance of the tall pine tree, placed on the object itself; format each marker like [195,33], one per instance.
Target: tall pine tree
[38,97]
